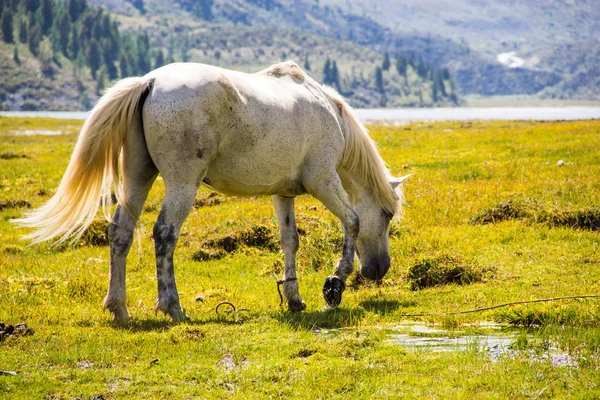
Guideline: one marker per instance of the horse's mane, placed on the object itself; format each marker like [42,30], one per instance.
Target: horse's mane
[361,157]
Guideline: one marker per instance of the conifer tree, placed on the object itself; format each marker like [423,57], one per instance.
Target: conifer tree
[47,16]
[16,55]
[35,36]
[327,72]
[306,63]
[335,76]
[76,8]
[379,80]
[23,36]
[94,57]
[63,28]
[159,59]
[73,43]
[401,65]
[386,62]
[124,66]
[7,26]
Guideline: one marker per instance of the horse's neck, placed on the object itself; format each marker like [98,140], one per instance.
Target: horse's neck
[354,186]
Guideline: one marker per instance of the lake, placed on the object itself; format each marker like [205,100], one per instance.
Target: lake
[399,116]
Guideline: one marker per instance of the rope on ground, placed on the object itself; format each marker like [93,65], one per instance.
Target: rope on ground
[279,283]
[233,308]
[512,303]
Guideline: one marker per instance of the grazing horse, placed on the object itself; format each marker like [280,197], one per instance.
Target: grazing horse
[276,132]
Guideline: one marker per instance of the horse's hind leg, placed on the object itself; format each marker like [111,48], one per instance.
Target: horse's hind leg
[176,207]
[284,207]
[326,186]
[139,173]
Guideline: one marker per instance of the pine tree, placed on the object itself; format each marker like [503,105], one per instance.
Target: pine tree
[124,66]
[385,65]
[100,84]
[76,8]
[94,57]
[16,55]
[401,65]
[63,27]
[111,69]
[7,26]
[159,59]
[379,80]
[23,35]
[35,36]
[47,16]
[32,5]
[327,72]
[143,54]
[335,76]
[306,63]
[73,43]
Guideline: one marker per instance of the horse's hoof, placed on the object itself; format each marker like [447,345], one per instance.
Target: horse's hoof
[332,290]
[296,305]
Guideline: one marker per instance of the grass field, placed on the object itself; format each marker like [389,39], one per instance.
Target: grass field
[489,200]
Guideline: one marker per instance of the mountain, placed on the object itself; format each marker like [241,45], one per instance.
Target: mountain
[468,37]
[377,53]
[557,40]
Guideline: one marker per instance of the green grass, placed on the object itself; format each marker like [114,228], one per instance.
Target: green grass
[460,170]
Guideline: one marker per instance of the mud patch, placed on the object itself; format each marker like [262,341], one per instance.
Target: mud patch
[12,156]
[443,270]
[505,211]
[11,204]
[531,211]
[209,200]
[7,331]
[304,353]
[208,254]
[96,234]
[258,236]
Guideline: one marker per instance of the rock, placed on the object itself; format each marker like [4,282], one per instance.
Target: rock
[560,163]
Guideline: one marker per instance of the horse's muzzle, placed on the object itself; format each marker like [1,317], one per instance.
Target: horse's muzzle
[377,268]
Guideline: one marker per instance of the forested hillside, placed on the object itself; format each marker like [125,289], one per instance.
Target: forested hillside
[61,54]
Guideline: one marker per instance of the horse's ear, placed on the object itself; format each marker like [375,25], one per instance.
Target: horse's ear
[394,182]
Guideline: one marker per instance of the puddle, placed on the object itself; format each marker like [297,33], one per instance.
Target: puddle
[32,132]
[496,342]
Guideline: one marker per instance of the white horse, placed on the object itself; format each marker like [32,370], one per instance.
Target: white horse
[276,132]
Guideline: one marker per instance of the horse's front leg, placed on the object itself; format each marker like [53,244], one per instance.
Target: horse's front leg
[327,187]
[284,207]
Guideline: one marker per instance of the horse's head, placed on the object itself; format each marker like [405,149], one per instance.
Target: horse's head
[373,244]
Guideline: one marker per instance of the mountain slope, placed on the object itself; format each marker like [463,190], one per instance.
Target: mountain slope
[407,27]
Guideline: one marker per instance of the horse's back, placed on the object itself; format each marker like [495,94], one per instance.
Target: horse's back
[254,131]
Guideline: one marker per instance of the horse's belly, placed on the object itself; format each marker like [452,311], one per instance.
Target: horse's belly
[243,177]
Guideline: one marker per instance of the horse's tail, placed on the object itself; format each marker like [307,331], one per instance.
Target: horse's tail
[93,170]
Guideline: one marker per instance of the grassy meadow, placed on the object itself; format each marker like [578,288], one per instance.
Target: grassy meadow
[511,209]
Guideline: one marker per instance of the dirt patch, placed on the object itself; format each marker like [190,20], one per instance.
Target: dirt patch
[209,200]
[14,330]
[443,270]
[532,211]
[305,353]
[12,156]
[588,219]
[207,255]
[10,204]
[13,249]
[96,234]
[258,236]
[505,211]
